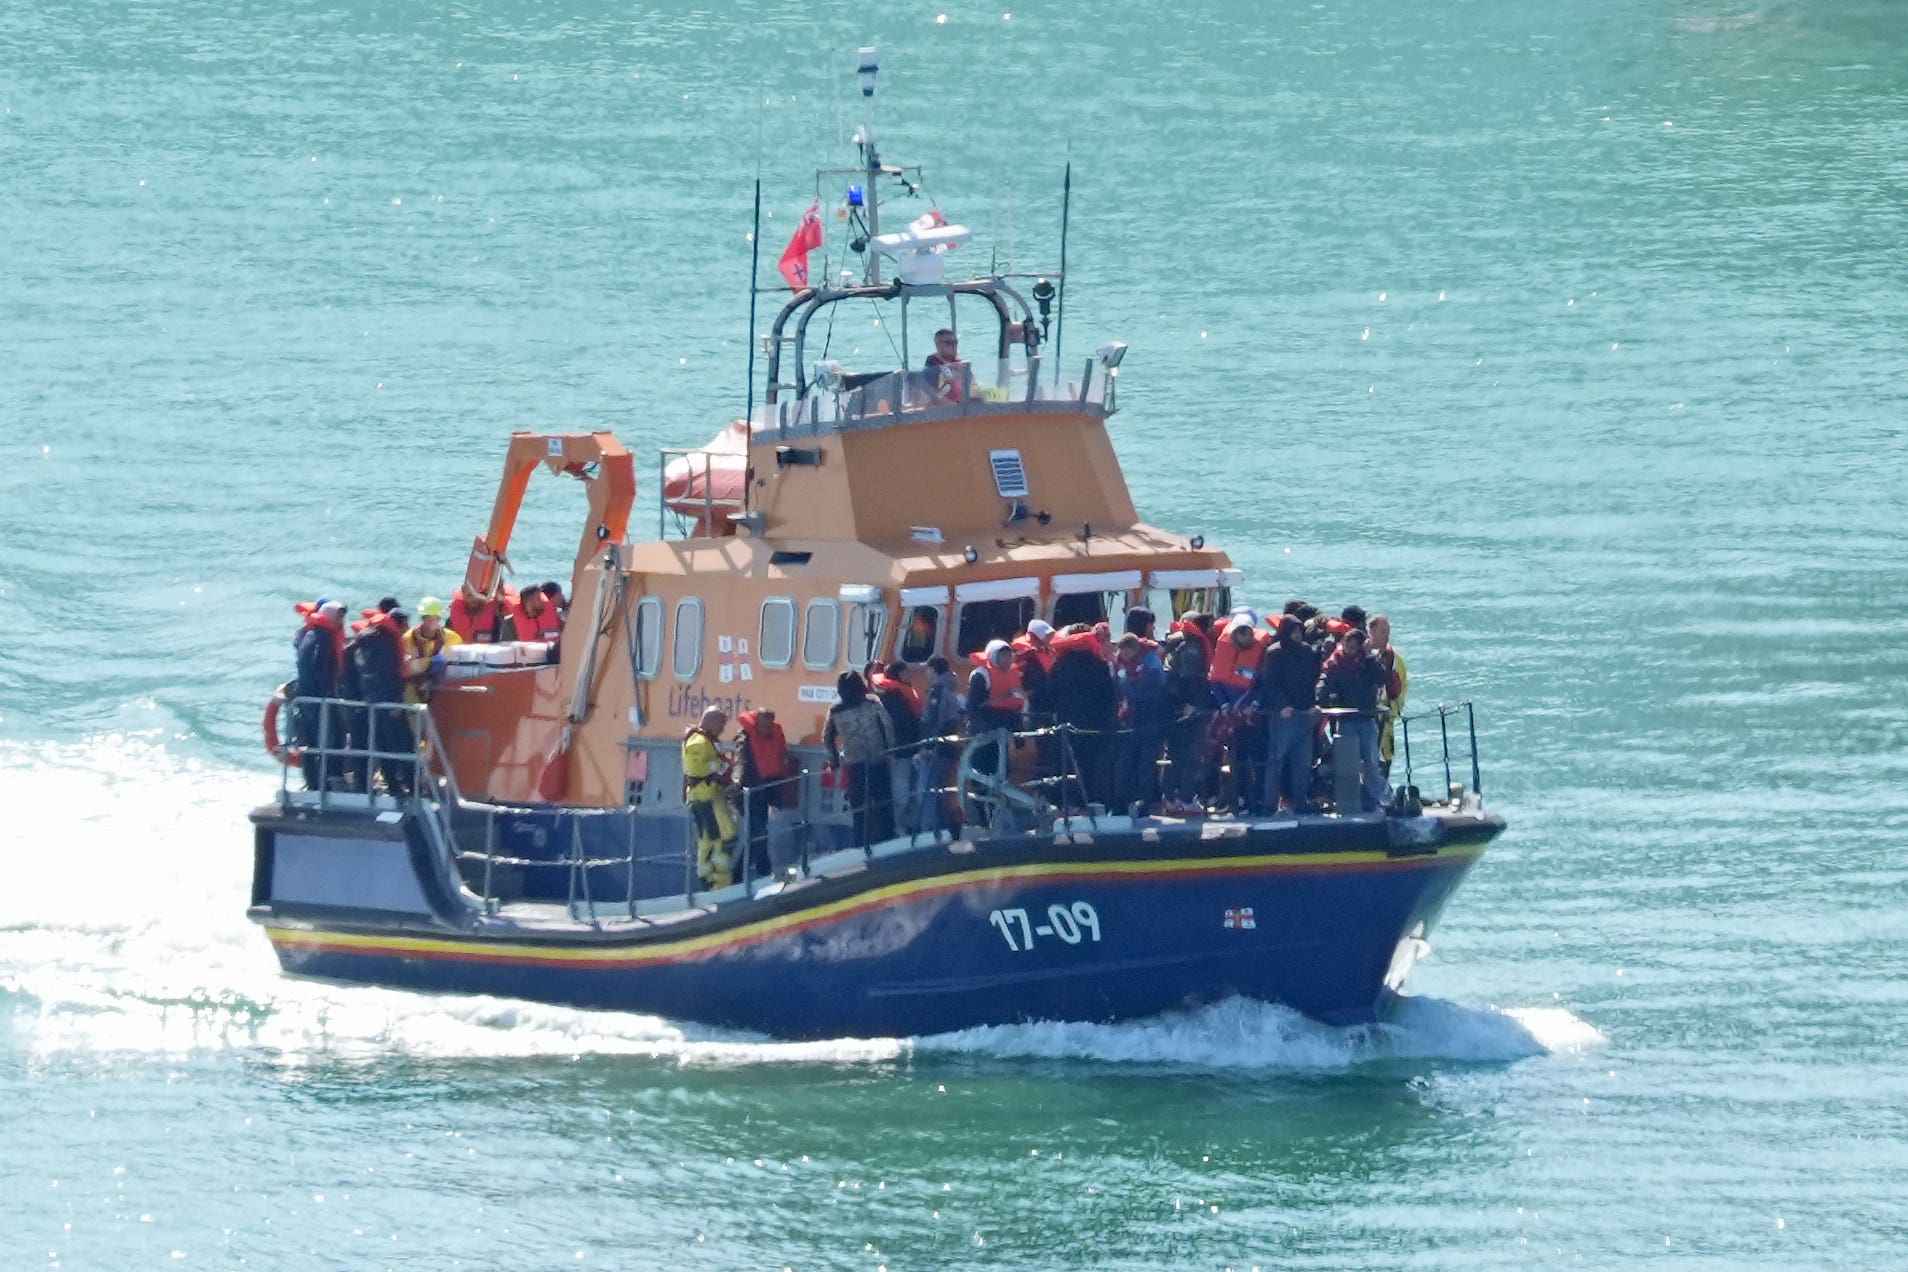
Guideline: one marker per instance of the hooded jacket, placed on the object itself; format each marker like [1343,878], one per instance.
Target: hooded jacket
[1358,683]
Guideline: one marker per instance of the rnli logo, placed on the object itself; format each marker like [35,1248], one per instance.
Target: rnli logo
[1241,919]
[732,660]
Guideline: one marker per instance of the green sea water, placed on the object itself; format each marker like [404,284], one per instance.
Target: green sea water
[1569,335]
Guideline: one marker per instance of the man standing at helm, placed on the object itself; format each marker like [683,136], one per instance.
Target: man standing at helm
[950,374]
[705,779]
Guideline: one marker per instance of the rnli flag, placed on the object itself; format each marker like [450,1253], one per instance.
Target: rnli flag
[1237,919]
[808,237]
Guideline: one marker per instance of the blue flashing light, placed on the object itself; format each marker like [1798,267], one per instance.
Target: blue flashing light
[854,196]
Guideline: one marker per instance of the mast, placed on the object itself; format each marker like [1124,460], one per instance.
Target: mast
[866,68]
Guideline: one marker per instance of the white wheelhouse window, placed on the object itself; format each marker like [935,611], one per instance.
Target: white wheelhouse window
[920,636]
[867,624]
[686,653]
[776,647]
[649,637]
[821,636]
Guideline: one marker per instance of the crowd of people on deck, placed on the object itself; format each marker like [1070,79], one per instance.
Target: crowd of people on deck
[1241,712]
[382,658]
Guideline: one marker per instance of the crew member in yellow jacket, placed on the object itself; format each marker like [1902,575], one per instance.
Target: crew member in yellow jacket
[423,645]
[705,780]
[1400,682]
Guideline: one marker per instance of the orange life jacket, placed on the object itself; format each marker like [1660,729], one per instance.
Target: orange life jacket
[1237,668]
[1004,693]
[768,746]
[544,625]
[379,618]
[479,627]
[1197,633]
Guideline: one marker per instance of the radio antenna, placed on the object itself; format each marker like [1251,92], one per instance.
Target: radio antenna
[1060,304]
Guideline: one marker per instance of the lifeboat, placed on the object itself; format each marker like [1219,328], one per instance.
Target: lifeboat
[582,823]
[708,485]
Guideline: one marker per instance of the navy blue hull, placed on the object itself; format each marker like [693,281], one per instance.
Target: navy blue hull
[1122,929]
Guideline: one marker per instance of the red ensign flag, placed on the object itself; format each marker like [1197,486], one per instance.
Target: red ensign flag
[808,237]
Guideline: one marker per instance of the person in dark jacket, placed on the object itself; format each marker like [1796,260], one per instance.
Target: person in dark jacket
[319,652]
[859,736]
[1187,656]
[1146,706]
[1287,691]
[1354,677]
[377,657]
[1081,693]
[889,686]
[767,774]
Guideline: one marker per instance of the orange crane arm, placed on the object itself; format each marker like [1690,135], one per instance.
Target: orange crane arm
[612,485]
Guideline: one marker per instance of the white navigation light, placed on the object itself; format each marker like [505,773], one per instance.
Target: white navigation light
[865,71]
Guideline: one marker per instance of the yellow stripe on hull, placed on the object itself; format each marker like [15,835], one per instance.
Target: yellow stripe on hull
[670,951]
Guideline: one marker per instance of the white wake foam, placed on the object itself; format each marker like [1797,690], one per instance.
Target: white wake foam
[123,930]
[1243,1034]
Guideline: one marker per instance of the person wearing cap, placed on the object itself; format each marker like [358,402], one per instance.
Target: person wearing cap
[319,653]
[424,647]
[1033,656]
[995,696]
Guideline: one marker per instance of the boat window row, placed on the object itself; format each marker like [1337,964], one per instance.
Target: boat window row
[828,633]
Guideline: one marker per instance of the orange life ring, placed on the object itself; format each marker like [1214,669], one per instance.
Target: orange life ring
[290,757]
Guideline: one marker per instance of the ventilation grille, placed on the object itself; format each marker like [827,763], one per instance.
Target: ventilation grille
[1010,475]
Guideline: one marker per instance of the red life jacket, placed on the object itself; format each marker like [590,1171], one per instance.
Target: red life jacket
[1237,668]
[1067,642]
[768,746]
[309,611]
[1026,649]
[479,627]
[909,694]
[544,625]
[1004,693]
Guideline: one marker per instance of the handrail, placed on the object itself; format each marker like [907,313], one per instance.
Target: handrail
[1443,714]
[986,794]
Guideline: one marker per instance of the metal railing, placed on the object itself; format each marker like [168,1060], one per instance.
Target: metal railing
[1444,715]
[951,782]
[691,459]
[343,756]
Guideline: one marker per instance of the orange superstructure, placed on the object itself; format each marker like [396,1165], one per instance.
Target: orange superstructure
[856,515]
